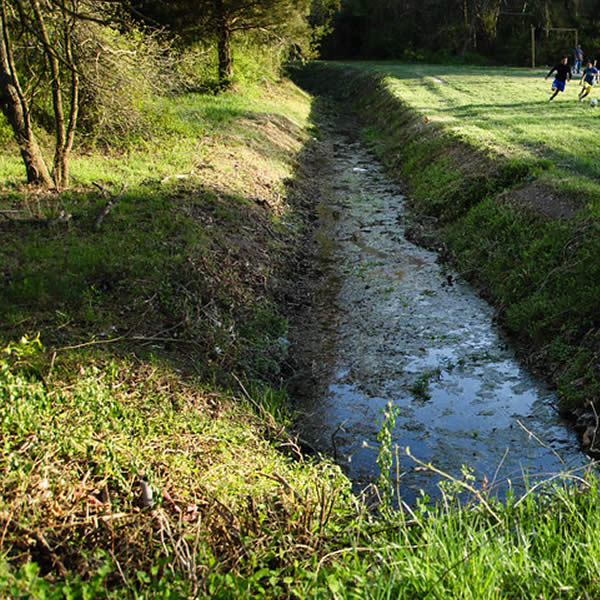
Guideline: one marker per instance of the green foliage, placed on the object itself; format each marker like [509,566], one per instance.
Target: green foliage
[244,38]
[385,457]
[146,319]
[97,431]
[257,61]
[26,582]
[420,388]
[472,31]
[86,418]
[547,277]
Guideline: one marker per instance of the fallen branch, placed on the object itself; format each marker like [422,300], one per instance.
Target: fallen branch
[111,202]
[136,338]
[178,176]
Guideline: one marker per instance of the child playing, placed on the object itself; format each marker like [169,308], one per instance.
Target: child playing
[588,78]
[563,72]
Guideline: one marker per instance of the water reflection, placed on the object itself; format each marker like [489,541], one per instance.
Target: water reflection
[390,324]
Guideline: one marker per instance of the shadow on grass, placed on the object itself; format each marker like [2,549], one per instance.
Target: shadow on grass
[184,271]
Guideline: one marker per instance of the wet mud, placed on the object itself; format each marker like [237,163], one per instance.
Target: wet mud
[388,323]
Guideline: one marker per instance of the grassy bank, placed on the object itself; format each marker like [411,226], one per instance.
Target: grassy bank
[146,449]
[511,185]
[143,414]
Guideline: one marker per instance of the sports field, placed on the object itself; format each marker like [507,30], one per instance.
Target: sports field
[507,110]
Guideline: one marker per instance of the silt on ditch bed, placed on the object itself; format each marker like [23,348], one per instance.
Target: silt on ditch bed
[389,324]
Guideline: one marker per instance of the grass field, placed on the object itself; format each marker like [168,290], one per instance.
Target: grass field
[506,110]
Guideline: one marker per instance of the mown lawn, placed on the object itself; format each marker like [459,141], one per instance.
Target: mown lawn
[506,110]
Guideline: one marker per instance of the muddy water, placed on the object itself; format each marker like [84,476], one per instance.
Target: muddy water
[391,324]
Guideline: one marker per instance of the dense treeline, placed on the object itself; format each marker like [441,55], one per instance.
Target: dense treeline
[75,71]
[93,67]
[499,30]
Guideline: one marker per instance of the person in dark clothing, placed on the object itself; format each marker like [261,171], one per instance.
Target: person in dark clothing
[563,72]
[577,59]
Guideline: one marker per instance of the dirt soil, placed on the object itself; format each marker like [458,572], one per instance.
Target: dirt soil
[542,200]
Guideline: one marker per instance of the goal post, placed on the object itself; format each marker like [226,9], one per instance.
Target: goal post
[548,30]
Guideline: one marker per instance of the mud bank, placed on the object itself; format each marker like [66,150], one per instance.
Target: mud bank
[518,241]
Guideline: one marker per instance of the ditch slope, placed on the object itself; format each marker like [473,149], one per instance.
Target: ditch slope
[529,248]
[390,331]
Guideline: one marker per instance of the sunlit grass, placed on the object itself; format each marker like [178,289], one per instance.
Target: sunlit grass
[181,134]
[504,109]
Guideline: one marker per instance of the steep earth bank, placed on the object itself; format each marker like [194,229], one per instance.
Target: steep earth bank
[522,243]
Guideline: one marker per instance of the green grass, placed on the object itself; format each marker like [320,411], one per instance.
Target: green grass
[147,354]
[81,434]
[171,241]
[234,518]
[178,133]
[504,110]
[163,344]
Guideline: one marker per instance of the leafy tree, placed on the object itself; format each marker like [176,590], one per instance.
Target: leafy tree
[397,28]
[322,13]
[281,22]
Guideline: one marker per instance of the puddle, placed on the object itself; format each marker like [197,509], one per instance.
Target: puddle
[391,324]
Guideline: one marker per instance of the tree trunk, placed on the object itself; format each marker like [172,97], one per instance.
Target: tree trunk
[74,112]
[224,45]
[16,111]
[60,157]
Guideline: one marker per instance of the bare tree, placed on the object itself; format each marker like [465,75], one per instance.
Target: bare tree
[16,108]
[38,40]
[63,75]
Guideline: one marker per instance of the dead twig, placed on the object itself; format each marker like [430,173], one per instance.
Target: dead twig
[110,203]
[463,484]
[261,410]
[136,338]
[283,482]
[537,439]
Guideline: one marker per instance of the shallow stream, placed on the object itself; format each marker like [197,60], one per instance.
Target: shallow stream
[391,324]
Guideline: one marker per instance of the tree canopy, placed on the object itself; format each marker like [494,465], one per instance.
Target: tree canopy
[499,30]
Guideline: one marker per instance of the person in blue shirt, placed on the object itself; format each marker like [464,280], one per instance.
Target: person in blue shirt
[588,79]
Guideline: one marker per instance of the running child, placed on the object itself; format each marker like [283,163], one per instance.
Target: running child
[563,72]
[588,79]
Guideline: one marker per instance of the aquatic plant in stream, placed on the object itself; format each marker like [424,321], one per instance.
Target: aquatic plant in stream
[420,388]
[385,456]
